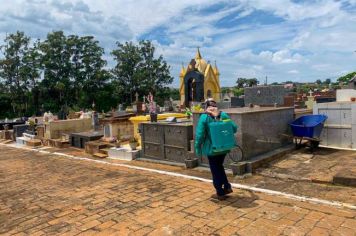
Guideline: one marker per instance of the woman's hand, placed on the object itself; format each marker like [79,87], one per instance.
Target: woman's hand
[213,111]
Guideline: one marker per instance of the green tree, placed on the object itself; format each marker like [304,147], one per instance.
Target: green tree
[19,70]
[244,82]
[238,92]
[225,90]
[318,81]
[138,70]
[174,94]
[345,79]
[56,62]
[87,74]
[241,82]
[74,73]
[327,81]
[5,102]
[252,82]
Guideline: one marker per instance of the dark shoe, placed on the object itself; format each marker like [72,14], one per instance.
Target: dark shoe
[219,197]
[222,197]
[228,191]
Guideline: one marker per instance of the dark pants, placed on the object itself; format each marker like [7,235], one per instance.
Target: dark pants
[220,180]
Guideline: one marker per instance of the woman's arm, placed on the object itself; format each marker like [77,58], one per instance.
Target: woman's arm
[200,134]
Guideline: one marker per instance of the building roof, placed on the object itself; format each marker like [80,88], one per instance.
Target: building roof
[200,62]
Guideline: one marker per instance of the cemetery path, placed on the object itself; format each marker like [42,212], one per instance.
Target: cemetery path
[44,194]
[299,173]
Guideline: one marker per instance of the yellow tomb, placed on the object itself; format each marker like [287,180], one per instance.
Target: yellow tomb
[199,81]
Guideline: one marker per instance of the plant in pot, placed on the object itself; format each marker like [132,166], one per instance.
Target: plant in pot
[133,143]
[32,126]
[188,113]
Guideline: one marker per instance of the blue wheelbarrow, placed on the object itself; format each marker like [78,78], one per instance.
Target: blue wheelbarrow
[308,128]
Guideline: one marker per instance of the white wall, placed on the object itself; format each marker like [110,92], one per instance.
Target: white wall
[344,95]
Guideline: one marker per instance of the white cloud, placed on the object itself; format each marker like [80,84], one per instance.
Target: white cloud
[294,11]
[314,38]
[293,72]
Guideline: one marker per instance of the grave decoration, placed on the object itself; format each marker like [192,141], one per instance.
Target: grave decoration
[152,108]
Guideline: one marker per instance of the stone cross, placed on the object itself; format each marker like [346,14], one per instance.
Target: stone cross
[310,93]
[136,95]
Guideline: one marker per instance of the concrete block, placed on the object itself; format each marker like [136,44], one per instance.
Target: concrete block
[92,147]
[21,141]
[29,136]
[265,95]
[238,168]
[346,138]
[191,163]
[33,142]
[54,129]
[192,149]
[353,114]
[122,154]
[324,136]
[353,136]
[334,115]
[8,134]
[334,137]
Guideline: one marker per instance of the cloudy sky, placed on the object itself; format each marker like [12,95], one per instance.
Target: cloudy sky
[299,40]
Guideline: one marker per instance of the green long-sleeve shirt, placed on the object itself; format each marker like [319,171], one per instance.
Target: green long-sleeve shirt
[202,142]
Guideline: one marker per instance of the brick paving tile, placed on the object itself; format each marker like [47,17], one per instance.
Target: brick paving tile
[314,215]
[295,231]
[58,196]
[186,230]
[349,223]
[307,223]
[105,225]
[143,231]
[89,225]
[330,222]
[205,230]
[295,216]
[318,232]
[342,231]
[285,222]
[228,230]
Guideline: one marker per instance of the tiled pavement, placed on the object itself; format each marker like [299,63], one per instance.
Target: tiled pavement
[42,194]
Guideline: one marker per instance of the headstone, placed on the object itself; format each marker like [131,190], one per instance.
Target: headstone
[107,133]
[95,121]
[62,115]
[168,105]
[134,108]
[19,130]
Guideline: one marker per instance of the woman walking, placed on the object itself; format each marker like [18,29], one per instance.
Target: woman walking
[203,147]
